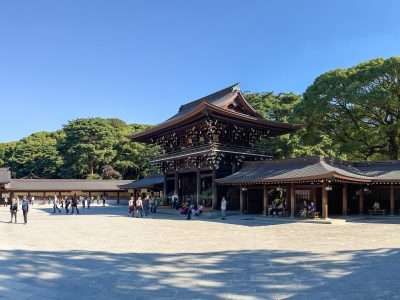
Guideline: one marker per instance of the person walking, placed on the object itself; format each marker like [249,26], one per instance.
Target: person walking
[104,200]
[82,200]
[146,205]
[131,207]
[74,206]
[67,204]
[151,202]
[55,205]
[189,211]
[6,201]
[25,209]
[32,200]
[139,207]
[174,201]
[14,209]
[223,208]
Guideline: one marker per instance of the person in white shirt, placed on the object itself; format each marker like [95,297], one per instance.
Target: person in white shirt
[139,207]
[131,207]
[223,208]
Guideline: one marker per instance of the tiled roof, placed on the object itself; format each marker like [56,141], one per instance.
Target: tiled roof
[296,170]
[66,185]
[145,182]
[218,103]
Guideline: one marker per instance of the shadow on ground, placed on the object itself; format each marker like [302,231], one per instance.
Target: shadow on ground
[372,274]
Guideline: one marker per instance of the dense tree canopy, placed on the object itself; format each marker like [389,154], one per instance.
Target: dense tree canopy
[84,148]
[357,108]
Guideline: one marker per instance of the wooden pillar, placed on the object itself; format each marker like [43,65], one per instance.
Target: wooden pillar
[324,201]
[165,189]
[176,186]
[198,187]
[265,201]
[117,198]
[392,199]
[314,195]
[344,199]
[361,202]
[292,200]
[241,199]
[214,191]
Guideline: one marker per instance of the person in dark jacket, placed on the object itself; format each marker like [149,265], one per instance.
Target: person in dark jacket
[25,209]
[74,205]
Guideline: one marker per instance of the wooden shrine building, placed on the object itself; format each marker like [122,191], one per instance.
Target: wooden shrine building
[209,149]
[209,138]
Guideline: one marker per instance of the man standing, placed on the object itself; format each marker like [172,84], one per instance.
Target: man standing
[223,208]
[25,209]
[14,209]
[55,205]
[139,207]
[74,206]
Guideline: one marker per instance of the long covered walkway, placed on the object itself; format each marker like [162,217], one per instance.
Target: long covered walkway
[291,186]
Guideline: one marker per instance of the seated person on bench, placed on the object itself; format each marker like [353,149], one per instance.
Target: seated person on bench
[376,206]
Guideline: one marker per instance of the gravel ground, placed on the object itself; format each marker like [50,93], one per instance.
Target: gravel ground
[103,254]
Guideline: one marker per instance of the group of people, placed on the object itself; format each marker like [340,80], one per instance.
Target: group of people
[309,209]
[72,202]
[189,209]
[15,205]
[142,206]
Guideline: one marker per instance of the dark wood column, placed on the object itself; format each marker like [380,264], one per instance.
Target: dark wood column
[292,200]
[198,186]
[361,202]
[241,199]
[392,198]
[265,201]
[344,199]
[118,198]
[214,191]
[324,201]
[176,186]
[165,189]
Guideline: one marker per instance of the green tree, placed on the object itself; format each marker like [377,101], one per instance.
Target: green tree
[133,159]
[88,145]
[36,156]
[281,108]
[358,108]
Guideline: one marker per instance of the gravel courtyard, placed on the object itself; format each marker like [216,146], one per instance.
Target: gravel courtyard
[103,254]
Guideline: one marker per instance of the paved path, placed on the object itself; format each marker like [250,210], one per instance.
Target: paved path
[102,254]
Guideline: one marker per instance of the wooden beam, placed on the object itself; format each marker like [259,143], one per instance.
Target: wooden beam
[324,201]
[344,199]
[265,201]
[292,200]
[392,199]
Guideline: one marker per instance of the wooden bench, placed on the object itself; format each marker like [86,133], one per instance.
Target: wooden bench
[372,212]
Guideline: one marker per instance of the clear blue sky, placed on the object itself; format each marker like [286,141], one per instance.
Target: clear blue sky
[139,60]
